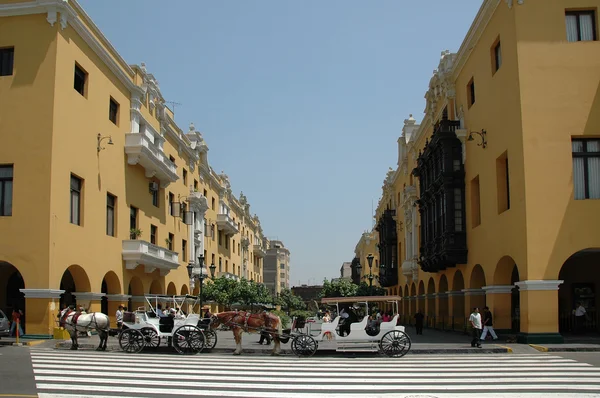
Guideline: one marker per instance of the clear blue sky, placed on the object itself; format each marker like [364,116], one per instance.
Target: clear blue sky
[300,102]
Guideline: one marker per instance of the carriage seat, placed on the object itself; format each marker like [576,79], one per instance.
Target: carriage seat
[362,325]
[330,326]
[166,324]
[385,327]
[129,317]
[151,314]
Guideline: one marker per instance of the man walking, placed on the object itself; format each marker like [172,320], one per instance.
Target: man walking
[119,316]
[488,324]
[419,322]
[475,320]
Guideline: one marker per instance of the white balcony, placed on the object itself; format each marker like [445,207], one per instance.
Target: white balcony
[227,275]
[259,251]
[410,269]
[226,224]
[140,150]
[152,257]
[198,202]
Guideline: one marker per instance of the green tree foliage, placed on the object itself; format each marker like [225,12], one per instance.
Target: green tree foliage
[365,290]
[226,291]
[339,288]
[289,302]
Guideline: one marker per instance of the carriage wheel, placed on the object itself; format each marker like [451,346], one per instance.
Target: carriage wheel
[151,338]
[188,339]
[304,345]
[210,339]
[131,341]
[394,344]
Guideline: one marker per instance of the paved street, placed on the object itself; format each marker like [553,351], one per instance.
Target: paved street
[65,374]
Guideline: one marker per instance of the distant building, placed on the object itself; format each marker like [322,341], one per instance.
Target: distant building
[277,267]
[307,293]
[346,271]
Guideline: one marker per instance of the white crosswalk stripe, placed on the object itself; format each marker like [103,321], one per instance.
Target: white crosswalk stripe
[67,374]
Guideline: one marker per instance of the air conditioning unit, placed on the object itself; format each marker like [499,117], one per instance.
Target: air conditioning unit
[153,186]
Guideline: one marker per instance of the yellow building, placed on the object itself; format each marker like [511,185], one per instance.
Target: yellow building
[103,198]
[503,171]
[367,245]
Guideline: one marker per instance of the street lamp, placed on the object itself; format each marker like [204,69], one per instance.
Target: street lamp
[201,276]
[370,276]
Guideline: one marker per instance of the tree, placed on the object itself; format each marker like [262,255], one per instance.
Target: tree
[289,301]
[227,291]
[365,290]
[339,288]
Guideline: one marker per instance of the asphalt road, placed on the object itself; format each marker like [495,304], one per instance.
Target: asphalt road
[17,373]
[593,358]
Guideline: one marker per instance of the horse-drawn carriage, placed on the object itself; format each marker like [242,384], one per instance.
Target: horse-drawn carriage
[181,327]
[388,339]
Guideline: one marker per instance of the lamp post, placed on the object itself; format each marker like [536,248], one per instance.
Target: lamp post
[201,276]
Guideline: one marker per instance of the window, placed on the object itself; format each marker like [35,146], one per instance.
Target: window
[502,182]
[172,159]
[475,202]
[111,202]
[220,264]
[76,185]
[212,204]
[458,217]
[7,59]
[282,266]
[233,246]
[185,177]
[220,238]
[212,231]
[169,241]
[205,193]
[171,200]
[184,249]
[81,77]
[113,111]
[133,220]
[212,258]
[581,25]
[6,190]
[226,265]
[586,168]
[195,185]
[496,56]
[226,242]
[155,199]
[153,233]
[471,92]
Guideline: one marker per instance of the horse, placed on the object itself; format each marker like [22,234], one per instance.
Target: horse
[82,322]
[243,321]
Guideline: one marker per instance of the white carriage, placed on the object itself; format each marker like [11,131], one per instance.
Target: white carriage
[388,338]
[181,327]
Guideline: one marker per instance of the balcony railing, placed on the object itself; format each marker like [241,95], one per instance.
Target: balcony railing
[259,251]
[226,224]
[152,257]
[140,150]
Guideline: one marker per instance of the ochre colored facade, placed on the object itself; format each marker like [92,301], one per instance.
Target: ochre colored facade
[519,101]
[104,197]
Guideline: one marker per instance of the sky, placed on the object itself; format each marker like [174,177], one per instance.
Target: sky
[300,102]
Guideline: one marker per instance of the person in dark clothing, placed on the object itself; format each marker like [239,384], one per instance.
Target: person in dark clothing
[265,336]
[419,317]
[488,324]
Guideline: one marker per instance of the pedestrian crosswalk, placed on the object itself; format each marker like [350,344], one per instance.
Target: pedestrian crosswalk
[68,374]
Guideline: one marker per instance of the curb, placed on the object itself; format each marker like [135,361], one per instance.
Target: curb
[565,349]
[414,351]
[30,343]
[540,348]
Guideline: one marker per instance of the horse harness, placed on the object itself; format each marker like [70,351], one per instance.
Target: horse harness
[73,322]
[245,327]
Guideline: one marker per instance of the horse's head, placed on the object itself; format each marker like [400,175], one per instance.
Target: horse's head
[214,321]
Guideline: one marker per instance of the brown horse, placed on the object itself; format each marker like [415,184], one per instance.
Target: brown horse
[243,321]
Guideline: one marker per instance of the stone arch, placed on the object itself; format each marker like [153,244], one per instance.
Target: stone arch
[74,279]
[504,271]
[196,290]
[171,289]
[421,301]
[458,298]
[580,285]
[430,298]
[135,289]
[185,290]
[406,304]
[421,290]
[156,287]
[443,299]
[477,279]
[110,285]
[413,300]
[11,283]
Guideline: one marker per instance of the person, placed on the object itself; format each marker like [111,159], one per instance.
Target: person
[475,320]
[119,317]
[344,322]
[579,317]
[264,335]
[159,311]
[206,313]
[419,322]
[488,325]
[16,320]
[327,317]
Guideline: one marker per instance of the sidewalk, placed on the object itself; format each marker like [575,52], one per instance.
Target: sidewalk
[431,342]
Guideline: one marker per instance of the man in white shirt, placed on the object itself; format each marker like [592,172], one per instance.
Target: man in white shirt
[120,317]
[475,320]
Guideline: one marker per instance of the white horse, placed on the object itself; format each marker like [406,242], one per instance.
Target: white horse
[85,322]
